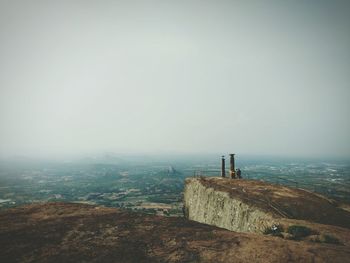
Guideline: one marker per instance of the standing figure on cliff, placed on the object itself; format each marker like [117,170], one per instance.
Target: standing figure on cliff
[239,173]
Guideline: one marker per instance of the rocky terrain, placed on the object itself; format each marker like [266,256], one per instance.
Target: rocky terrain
[268,223]
[66,232]
[259,207]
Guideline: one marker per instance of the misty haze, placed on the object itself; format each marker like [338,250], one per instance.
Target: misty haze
[119,121]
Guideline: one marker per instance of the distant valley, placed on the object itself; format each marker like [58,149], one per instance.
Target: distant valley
[153,185]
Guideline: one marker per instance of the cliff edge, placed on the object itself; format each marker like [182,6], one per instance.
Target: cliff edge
[256,206]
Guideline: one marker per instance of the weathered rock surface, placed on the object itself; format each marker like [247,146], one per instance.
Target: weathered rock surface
[61,232]
[254,206]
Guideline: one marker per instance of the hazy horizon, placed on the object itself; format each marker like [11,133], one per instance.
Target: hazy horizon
[177,77]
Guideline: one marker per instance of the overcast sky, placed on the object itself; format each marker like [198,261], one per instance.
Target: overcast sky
[253,77]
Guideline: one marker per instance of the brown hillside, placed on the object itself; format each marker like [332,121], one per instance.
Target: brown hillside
[61,232]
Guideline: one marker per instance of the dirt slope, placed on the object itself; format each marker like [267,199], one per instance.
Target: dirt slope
[61,232]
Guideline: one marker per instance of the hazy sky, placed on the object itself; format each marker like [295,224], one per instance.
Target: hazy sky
[258,77]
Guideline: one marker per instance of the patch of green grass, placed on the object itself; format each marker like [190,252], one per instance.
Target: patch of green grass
[299,232]
[274,230]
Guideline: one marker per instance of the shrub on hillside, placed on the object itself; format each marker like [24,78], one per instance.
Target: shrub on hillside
[299,232]
[326,238]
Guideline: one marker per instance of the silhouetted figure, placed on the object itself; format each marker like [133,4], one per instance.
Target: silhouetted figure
[239,173]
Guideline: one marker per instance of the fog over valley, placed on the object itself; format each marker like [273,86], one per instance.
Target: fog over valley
[88,77]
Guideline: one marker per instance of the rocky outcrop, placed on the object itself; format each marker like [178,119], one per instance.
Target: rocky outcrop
[210,206]
[255,206]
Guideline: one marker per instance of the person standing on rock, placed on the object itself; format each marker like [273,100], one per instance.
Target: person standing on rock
[239,173]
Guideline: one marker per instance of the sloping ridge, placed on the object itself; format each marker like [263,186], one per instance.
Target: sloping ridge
[64,232]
